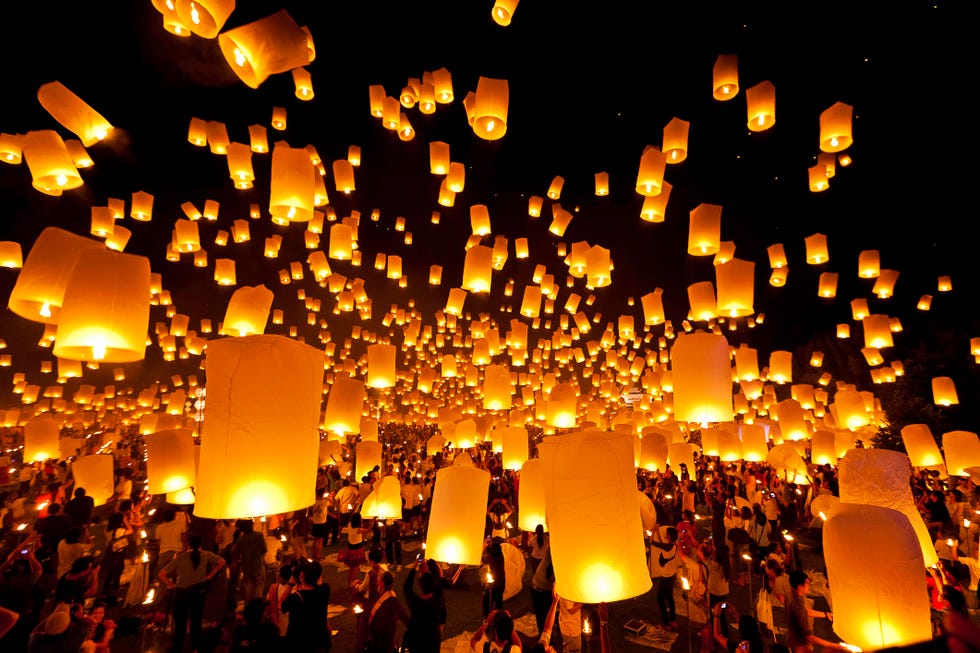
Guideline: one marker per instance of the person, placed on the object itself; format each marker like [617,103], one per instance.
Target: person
[80,582]
[665,562]
[543,645]
[540,544]
[718,560]
[64,630]
[383,618]
[102,631]
[346,500]
[496,580]
[20,576]
[353,555]
[318,522]
[171,535]
[114,557]
[52,529]
[248,552]
[760,534]
[309,630]
[687,538]
[80,508]
[75,544]
[367,592]
[498,513]
[188,575]
[393,542]
[749,638]
[278,592]
[497,634]
[424,632]
[936,513]
[543,592]
[799,626]
[570,625]
[254,634]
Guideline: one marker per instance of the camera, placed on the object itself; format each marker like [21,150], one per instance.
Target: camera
[24,552]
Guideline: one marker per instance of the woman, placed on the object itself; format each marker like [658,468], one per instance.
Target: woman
[540,543]
[282,588]
[759,532]
[354,556]
[114,558]
[189,574]
[496,580]
[101,633]
[717,558]
[424,631]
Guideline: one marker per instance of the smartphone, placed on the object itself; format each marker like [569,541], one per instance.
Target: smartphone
[724,606]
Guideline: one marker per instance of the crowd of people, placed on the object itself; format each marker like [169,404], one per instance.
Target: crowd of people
[67,562]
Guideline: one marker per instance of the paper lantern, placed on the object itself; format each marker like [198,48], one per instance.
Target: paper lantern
[477,269]
[381,366]
[41,438]
[823,448]
[561,409]
[675,140]
[303,82]
[598,267]
[259,441]
[835,128]
[10,254]
[724,77]
[458,515]
[106,308]
[270,45]
[650,176]
[754,443]
[816,249]
[704,234]
[701,296]
[11,148]
[514,451]
[944,391]
[885,283]
[962,450]
[95,474]
[292,189]
[869,264]
[653,450]
[921,447]
[224,271]
[603,560]
[601,184]
[170,464]
[878,597]
[205,18]
[760,102]
[73,113]
[880,477]
[367,455]
[52,168]
[40,287]
[247,312]
[490,108]
[702,378]
[736,289]
[344,405]
[502,11]
[497,394]
[531,496]
[653,307]
[385,500]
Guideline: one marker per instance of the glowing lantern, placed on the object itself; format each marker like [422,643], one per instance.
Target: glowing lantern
[381,366]
[490,108]
[653,450]
[701,296]
[554,190]
[835,128]
[259,442]
[594,562]
[10,254]
[761,104]
[95,474]
[827,286]
[170,464]
[367,455]
[531,496]
[869,264]
[442,81]
[650,176]
[385,500]
[962,449]
[944,391]
[503,12]
[885,284]
[344,404]
[704,234]
[879,477]
[106,308]
[702,378]
[247,312]
[458,515]
[52,168]
[303,82]
[292,187]
[224,271]
[823,448]
[781,366]
[754,443]
[735,287]
[11,148]
[343,176]
[41,438]
[141,208]
[270,45]
[73,113]
[725,77]
[598,267]
[204,18]
[439,157]
[816,249]
[921,447]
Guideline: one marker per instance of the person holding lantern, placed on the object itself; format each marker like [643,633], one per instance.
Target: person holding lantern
[799,624]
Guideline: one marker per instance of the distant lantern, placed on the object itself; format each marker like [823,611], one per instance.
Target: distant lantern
[458,515]
[944,391]
[11,255]
[675,140]
[885,284]
[442,81]
[945,283]
[704,233]
[921,447]
[777,256]
[41,438]
[653,450]
[816,249]
[962,450]
[381,365]
[490,108]
[869,264]
[106,309]
[270,45]
[73,113]
[601,184]
[224,271]
[205,18]
[239,158]
[292,190]
[497,392]
[560,221]
[39,291]
[502,11]
[554,190]
[258,138]
[878,602]
[534,204]
[95,474]
[702,378]
[561,407]
[170,464]
[260,427]
[597,562]
[141,208]
[303,83]
[186,236]
[343,175]
[725,77]
[341,246]
[761,104]
[248,311]
[781,366]
[52,168]
[344,405]
[835,128]
[650,176]
[654,207]
[736,288]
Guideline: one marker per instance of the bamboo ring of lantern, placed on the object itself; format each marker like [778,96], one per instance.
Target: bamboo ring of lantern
[106,308]
[270,45]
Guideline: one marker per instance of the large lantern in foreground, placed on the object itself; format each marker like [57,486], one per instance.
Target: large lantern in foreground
[458,515]
[604,559]
[878,597]
[270,45]
[259,442]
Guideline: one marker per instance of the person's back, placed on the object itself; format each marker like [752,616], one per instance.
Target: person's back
[80,508]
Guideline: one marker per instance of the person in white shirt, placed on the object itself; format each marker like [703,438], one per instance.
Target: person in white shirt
[171,533]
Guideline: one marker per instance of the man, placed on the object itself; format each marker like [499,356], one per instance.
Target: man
[249,552]
[384,616]
[309,627]
[80,508]
[665,562]
[497,634]
[347,500]
[52,530]
[799,627]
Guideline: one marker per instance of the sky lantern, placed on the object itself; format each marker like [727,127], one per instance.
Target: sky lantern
[458,515]
[724,77]
[224,271]
[816,249]
[95,474]
[106,308]
[702,378]
[701,296]
[344,405]
[781,366]
[850,410]
[823,449]
[514,454]
[170,464]
[827,285]
[880,477]
[650,176]
[73,113]
[381,366]
[11,148]
[259,441]
[442,81]
[675,140]
[653,449]
[292,185]
[885,283]
[239,158]
[478,269]
[205,18]
[754,443]
[490,108]
[531,496]
[944,391]
[877,331]
[561,407]
[792,420]
[601,184]
[921,447]
[247,312]
[502,11]
[704,234]
[654,207]
[41,438]
[598,267]
[52,168]
[736,288]
[878,597]
[497,393]
[962,450]
[760,103]
[385,500]
[869,264]
[367,456]
[835,128]
[603,560]
[270,45]
[653,307]
[40,287]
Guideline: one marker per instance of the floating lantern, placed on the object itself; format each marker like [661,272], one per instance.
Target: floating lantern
[170,464]
[385,500]
[458,515]
[292,190]
[675,140]
[650,176]
[761,105]
[921,447]
[247,311]
[73,113]
[962,450]
[816,249]
[490,108]
[531,496]
[702,378]
[725,77]
[270,45]
[704,233]
[736,288]
[41,438]
[381,366]
[95,474]
[52,168]
[835,128]
[344,405]
[502,11]
[944,391]
[367,455]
